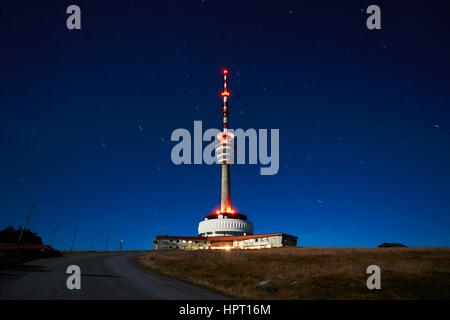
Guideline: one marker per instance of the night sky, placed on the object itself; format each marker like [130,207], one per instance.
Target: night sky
[364,116]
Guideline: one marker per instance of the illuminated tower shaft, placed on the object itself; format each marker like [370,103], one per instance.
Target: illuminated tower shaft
[225,151]
[225,196]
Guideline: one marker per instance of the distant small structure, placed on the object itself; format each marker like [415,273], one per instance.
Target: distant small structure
[392,245]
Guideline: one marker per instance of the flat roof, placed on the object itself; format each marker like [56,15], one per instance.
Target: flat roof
[253,236]
[180,238]
[227,215]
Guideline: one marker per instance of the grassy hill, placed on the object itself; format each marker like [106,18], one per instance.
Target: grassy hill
[311,273]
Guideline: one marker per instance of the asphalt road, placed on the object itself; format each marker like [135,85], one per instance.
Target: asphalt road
[103,276]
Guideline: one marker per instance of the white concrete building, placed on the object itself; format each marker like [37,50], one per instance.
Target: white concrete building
[225,224]
[258,241]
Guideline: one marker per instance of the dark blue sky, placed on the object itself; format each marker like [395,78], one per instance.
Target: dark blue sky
[86,118]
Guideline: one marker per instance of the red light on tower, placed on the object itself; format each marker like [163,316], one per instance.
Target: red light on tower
[225,92]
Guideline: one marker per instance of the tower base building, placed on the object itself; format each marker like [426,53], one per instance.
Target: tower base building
[225,224]
[258,241]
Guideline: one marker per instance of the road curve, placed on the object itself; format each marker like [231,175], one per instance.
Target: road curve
[103,276]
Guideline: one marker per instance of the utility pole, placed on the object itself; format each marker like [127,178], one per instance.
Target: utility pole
[74,237]
[54,233]
[107,241]
[27,220]
[92,241]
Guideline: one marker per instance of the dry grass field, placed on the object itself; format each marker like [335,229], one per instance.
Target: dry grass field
[310,273]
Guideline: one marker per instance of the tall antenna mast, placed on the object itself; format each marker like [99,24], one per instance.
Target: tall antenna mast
[225,150]
[225,94]
[236,224]
[27,220]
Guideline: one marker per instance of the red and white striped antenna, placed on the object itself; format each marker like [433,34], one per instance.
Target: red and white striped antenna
[225,94]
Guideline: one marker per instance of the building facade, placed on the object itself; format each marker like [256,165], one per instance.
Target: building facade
[258,241]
